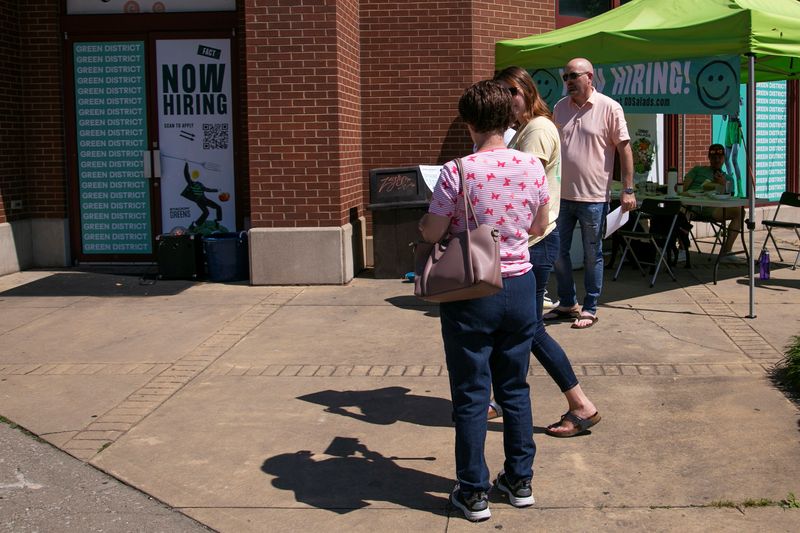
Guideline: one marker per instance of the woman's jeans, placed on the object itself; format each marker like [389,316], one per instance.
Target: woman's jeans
[592,216]
[487,344]
[546,350]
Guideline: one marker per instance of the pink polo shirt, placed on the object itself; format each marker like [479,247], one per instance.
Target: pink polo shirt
[589,137]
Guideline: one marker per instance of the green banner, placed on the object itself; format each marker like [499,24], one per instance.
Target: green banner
[699,86]
[111,135]
[771,133]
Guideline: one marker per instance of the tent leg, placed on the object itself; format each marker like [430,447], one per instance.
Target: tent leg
[751,181]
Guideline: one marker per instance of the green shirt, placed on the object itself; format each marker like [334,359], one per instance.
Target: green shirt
[700,174]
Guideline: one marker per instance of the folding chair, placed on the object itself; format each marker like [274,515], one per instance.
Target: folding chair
[717,229]
[791,199]
[652,209]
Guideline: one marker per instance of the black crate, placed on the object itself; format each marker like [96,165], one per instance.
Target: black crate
[179,256]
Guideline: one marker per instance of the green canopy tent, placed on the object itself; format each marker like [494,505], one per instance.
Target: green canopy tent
[765,33]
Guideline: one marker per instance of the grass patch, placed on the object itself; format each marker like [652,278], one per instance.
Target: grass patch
[790,502]
[760,502]
[723,504]
[785,375]
[790,364]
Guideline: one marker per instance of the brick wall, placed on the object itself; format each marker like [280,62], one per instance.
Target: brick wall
[416,62]
[494,21]
[351,193]
[417,59]
[698,137]
[12,167]
[43,110]
[302,113]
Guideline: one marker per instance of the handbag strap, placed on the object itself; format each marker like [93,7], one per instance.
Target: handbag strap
[468,208]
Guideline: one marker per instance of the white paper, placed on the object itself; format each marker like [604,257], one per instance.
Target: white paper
[615,220]
[430,174]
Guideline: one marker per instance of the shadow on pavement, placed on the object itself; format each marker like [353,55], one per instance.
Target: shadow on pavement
[353,475]
[77,283]
[772,284]
[385,406]
[413,303]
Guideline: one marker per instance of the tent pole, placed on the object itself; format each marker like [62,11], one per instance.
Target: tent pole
[683,145]
[751,178]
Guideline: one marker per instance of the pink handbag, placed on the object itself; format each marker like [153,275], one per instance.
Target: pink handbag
[461,266]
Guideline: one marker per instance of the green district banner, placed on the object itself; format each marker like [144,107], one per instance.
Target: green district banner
[771,119]
[110,109]
[701,86]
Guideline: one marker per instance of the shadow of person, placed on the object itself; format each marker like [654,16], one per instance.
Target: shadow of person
[353,476]
[385,406]
[415,304]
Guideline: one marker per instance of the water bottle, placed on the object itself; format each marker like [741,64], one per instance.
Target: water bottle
[763,264]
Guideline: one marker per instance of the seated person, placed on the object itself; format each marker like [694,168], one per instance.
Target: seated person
[709,178]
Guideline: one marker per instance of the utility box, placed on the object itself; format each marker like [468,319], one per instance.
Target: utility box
[398,199]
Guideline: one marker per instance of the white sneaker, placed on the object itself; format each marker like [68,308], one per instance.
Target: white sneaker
[548,303]
[681,255]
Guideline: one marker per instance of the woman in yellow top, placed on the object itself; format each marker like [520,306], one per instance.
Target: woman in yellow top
[537,134]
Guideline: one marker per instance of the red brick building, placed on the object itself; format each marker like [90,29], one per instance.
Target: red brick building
[322,91]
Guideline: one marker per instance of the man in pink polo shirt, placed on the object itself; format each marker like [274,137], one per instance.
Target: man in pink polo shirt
[592,126]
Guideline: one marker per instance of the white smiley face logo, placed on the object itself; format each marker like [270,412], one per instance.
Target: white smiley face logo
[716,83]
[548,86]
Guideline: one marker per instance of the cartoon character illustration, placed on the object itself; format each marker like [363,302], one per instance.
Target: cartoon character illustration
[733,138]
[195,192]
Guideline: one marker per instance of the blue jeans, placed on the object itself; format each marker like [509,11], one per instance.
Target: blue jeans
[592,216]
[546,350]
[487,345]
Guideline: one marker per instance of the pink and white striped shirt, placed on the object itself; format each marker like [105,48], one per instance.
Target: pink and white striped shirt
[506,188]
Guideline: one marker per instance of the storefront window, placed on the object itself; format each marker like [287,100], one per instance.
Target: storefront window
[583,8]
[572,11]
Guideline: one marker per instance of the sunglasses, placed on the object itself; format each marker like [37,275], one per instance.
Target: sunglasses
[572,76]
[512,91]
[716,151]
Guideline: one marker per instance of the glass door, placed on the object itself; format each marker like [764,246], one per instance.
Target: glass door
[150,141]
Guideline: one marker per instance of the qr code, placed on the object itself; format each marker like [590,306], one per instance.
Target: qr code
[215,136]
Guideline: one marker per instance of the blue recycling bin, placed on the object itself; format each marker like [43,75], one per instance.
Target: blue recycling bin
[226,256]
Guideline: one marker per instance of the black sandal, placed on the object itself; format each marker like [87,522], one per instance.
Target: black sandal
[560,314]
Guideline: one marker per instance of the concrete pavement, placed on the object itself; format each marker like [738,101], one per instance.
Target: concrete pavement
[310,408]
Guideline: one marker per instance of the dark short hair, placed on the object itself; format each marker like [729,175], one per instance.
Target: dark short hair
[486,106]
[716,147]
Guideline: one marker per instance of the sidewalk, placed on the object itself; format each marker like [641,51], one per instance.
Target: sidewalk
[327,408]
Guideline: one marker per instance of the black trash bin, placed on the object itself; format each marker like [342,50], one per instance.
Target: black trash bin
[226,256]
[179,256]
[398,199]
